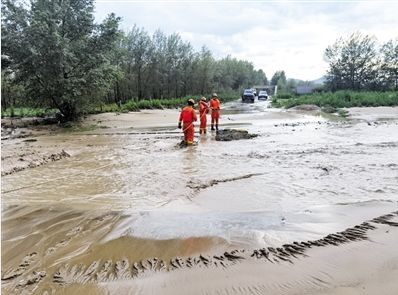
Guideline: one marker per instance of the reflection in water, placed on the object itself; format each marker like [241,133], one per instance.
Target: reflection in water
[204,138]
[190,161]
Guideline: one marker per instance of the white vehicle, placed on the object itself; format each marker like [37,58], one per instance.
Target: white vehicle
[263,95]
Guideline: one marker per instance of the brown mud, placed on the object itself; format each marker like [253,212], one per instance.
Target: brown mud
[33,262]
[16,122]
[33,160]
[121,259]
[233,134]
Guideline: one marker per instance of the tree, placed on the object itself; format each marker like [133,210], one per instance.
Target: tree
[259,78]
[138,50]
[291,85]
[205,70]
[279,79]
[58,52]
[157,64]
[389,64]
[352,63]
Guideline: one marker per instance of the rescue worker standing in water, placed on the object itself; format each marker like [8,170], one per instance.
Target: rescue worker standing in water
[215,110]
[203,111]
[187,117]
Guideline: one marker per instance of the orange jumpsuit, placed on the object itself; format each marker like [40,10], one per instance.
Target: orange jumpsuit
[187,117]
[215,112]
[203,110]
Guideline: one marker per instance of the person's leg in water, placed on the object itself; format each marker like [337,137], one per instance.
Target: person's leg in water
[189,134]
[203,123]
[212,120]
[216,118]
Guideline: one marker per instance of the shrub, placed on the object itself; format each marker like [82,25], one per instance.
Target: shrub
[342,99]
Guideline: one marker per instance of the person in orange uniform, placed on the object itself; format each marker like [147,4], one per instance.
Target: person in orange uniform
[215,110]
[203,111]
[187,117]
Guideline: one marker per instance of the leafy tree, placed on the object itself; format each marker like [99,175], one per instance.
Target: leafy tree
[205,70]
[58,52]
[389,64]
[138,50]
[259,78]
[352,63]
[12,93]
[279,78]
[158,66]
[54,54]
[291,85]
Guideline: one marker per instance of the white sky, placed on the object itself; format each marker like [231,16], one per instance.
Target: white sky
[273,35]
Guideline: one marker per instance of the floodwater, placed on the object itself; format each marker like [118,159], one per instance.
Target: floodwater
[304,176]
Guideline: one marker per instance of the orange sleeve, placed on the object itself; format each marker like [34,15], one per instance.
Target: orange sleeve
[181,115]
[194,118]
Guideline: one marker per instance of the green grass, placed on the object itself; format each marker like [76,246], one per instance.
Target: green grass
[341,99]
[169,103]
[27,112]
[129,106]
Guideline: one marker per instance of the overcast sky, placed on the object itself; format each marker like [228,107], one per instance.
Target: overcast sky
[273,35]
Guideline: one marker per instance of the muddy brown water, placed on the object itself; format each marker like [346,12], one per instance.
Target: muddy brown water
[128,194]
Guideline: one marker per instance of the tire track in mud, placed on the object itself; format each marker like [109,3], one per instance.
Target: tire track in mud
[107,270]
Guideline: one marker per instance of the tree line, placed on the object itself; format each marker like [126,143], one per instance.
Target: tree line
[358,62]
[55,55]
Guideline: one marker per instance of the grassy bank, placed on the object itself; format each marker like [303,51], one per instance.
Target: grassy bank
[130,105]
[170,103]
[134,106]
[340,99]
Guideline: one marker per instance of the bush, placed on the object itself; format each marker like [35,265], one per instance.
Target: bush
[342,99]
[284,95]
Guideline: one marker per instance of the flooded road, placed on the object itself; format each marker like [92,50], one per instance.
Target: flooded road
[306,175]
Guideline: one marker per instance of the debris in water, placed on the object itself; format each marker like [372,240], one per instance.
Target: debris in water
[233,134]
[30,140]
